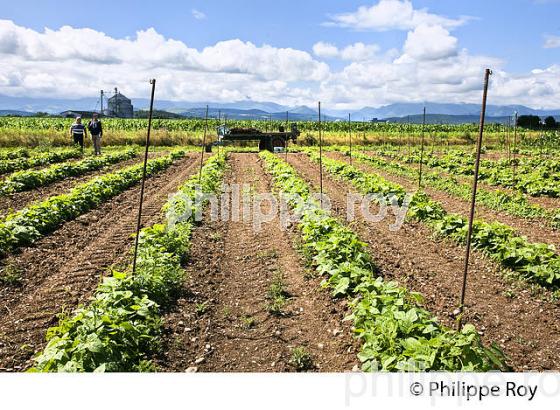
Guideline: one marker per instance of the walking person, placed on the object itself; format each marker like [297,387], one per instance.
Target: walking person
[78,131]
[96,132]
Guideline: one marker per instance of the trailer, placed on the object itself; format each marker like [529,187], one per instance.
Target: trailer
[271,141]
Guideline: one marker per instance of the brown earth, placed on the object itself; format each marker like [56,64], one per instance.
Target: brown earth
[534,230]
[552,204]
[19,200]
[62,270]
[222,322]
[518,317]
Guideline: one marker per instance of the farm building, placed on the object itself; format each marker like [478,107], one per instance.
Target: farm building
[119,106]
[76,113]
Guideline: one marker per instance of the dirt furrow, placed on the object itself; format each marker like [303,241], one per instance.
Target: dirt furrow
[62,270]
[224,320]
[533,230]
[549,203]
[19,200]
[527,330]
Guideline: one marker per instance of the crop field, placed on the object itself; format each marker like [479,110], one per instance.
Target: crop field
[242,267]
[33,132]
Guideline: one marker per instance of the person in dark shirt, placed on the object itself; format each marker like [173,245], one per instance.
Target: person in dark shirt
[78,131]
[96,132]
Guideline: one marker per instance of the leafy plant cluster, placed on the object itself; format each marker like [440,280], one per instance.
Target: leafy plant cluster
[534,177]
[25,180]
[536,261]
[120,328]
[25,226]
[11,165]
[396,332]
[6,154]
[515,204]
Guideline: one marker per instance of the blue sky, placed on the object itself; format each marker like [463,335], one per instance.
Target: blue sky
[512,33]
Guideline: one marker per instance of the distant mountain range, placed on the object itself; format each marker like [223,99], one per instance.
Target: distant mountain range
[398,112]
[405,109]
[449,119]
[5,113]
[298,114]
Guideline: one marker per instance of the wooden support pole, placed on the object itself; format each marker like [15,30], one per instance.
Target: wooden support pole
[350,137]
[473,196]
[144,171]
[422,150]
[320,156]
[203,146]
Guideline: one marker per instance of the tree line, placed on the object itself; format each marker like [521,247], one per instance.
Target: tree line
[534,122]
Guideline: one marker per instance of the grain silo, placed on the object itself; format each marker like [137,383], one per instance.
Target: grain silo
[119,106]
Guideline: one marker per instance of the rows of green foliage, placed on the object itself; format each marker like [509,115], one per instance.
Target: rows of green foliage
[536,177]
[14,153]
[25,226]
[11,165]
[120,329]
[25,152]
[396,332]
[515,204]
[28,179]
[536,261]
[197,125]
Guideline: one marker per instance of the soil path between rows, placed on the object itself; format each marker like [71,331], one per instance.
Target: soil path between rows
[19,200]
[63,269]
[550,203]
[519,319]
[532,229]
[222,322]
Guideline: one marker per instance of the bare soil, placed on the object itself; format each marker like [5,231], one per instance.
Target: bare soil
[549,203]
[532,229]
[63,269]
[19,200]
[518,317]
[222,322]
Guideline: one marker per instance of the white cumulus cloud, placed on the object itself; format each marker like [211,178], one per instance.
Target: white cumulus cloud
[430,43]
[325,50]
[391,15]
[353,52]
[428,66]
[77,62]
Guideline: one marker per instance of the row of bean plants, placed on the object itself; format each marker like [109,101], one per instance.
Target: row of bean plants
[536,261]
[397,334]
[25,226]
[536,178]
[11,165]
[121,327]
[28,179]
[515,204]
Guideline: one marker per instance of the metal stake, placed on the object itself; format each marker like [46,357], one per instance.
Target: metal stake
[286,139]
[408,135]
[422,150]
[514,147]
[320,156]
[139,221]
[203,146]
[487,74]
[350,137]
